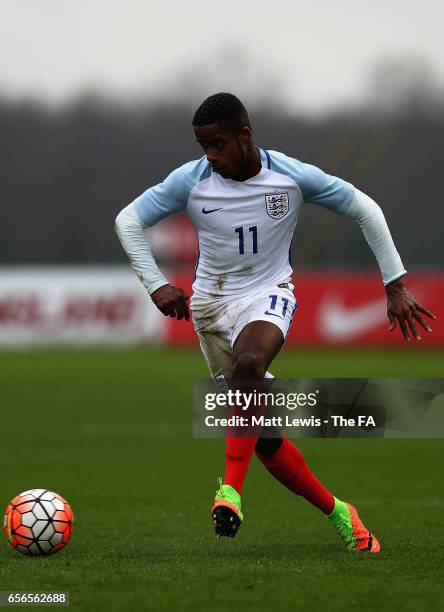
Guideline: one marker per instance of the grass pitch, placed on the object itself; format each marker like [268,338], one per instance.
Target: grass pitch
[111,431]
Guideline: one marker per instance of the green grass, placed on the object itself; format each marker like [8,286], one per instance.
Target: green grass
[111,431]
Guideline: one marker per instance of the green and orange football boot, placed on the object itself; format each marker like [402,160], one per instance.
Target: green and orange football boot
[352,530]
[226,511]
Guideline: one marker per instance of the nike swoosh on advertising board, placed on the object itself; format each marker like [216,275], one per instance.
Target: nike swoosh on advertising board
[340,323]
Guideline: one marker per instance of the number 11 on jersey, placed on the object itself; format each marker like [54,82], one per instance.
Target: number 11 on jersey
[240,231]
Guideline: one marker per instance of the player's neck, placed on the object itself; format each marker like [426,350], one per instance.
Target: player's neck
[252,166]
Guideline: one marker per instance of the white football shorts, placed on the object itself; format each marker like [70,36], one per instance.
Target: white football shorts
[219,321]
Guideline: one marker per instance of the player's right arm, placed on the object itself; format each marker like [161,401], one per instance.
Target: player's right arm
[148,209]
[170,300]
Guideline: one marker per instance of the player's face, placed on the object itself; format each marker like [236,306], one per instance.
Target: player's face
[226,151]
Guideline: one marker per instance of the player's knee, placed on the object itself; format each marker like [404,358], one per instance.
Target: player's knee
[268,446]
[249,364]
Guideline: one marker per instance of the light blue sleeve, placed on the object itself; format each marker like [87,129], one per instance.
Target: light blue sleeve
[316,186]
[172,194]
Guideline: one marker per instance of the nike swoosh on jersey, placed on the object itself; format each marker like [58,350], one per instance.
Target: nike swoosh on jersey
[207,212]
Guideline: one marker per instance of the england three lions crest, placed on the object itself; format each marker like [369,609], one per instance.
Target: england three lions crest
[277,205]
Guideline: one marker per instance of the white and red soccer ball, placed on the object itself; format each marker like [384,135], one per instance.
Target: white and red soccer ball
[38,522]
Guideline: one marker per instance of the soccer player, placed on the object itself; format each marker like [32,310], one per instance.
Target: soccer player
[244,202]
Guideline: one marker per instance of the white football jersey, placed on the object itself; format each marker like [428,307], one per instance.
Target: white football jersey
[244,228]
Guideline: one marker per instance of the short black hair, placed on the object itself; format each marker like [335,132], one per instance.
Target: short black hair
[224,108]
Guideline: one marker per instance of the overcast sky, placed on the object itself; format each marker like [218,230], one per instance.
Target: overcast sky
[312,55]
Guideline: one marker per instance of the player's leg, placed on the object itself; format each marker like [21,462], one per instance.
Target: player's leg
[287,464]
[257,336]
[211,320]
[253,351]
[255,348]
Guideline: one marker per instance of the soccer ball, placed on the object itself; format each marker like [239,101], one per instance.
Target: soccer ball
[38,522]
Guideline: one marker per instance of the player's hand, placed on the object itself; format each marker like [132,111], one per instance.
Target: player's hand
[172,302]
[402,308]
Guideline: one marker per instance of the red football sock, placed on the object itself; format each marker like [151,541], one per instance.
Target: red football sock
[239,449]
[289,467]
[237,460]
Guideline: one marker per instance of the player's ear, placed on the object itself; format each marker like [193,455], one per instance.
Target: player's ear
[245,135]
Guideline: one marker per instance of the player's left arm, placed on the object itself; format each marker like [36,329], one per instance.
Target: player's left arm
[402,307]
[341,197]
